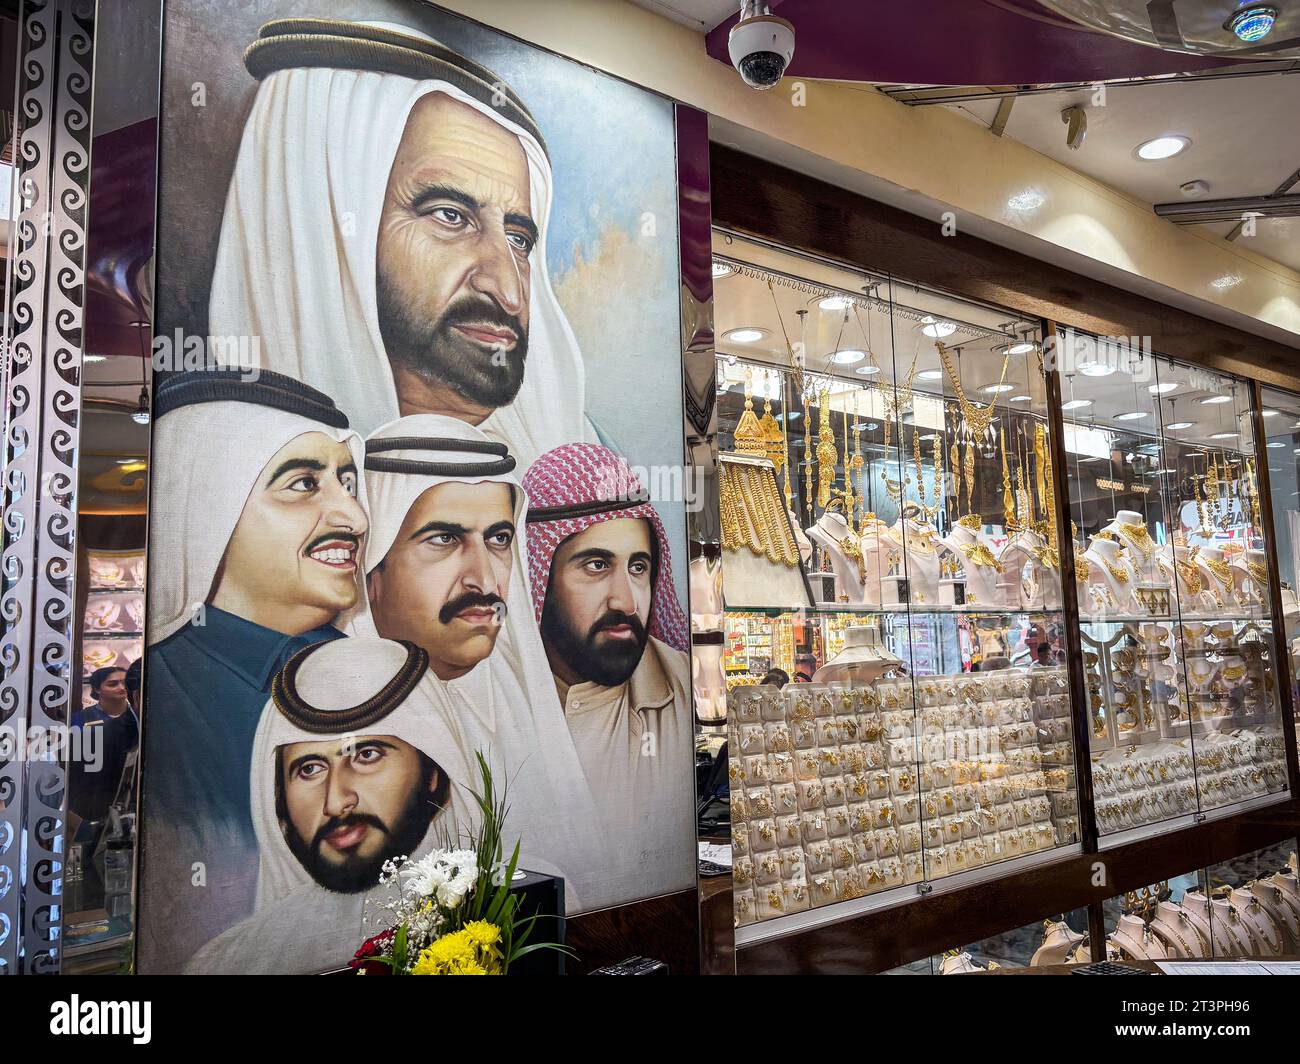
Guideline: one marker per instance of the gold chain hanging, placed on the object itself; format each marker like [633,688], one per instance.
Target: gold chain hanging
[916,461]
[857,463]
[1009,521]
[937,476]
[827,458]
[807,457]
[968,474]
[977,418]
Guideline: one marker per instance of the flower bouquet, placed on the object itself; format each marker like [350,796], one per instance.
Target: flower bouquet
[454,912]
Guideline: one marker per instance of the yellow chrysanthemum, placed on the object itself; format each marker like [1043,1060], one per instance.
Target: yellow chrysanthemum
[483,933]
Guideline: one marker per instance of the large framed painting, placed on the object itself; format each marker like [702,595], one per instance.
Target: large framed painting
[417,386]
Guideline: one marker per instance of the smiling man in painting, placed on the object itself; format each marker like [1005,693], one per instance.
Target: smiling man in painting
[257,509]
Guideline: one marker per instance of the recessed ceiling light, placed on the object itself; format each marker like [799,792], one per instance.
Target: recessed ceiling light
[1021,398]
[1214,399]
[835,303]
[1132,415]
[929,375]
[1076,404]
[867,371]
[745,336]
[1022,348]
[1272,413]
[1173,426]
[1228,280]
[937,329]
[1161,148]
[1223,436]
[1163,388]
[995,389]
[847,358]
[1252,23]
[1028,200]
[1277,443]
[92,358]
[720,269]
[869,426]
[928,437]
[1095,369]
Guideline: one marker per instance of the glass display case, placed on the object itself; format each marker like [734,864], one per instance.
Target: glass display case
[1172,585]
[1060,939]
[1281,419]
[890,546]
[1246,907]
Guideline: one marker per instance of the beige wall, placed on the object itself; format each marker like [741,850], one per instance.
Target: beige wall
[923,159]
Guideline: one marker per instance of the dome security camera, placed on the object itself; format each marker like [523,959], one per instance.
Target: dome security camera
[760,45]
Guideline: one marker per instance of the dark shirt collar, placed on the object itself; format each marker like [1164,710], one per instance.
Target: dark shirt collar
[252,651]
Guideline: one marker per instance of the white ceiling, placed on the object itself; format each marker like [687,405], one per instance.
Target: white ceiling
[1243,136]
[701,15]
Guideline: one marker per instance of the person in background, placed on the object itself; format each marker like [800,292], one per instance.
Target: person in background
[1043,658]
[776,678]
[93,781]
[133,676]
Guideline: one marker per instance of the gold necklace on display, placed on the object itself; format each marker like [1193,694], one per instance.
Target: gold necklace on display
[1190,576]
[827,458]
[1120,574]
[978,419]
[980,556]
[1222,572]
[857,463]
[920,478]
[1137,537]
[936,478]
[1258,573]
[807,456]
[1081,567]
[1009,521]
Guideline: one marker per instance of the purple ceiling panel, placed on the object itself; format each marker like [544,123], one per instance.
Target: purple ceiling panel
[955,42]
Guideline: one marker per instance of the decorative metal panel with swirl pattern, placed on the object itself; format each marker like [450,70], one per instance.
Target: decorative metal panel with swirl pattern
[42,411]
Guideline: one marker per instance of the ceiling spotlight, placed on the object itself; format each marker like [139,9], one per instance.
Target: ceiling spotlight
[995,389]
[1277,443]
[1272,413]
[1076,404]
[1163,388]
[1194,189]
[141,415]
[1214,400]
[720,269]
[835,303]
[745,336]
[1224,436]
[1161,148]
[1228,280]
[929,375]
[847,358]
[1132,415]
[937,329]
[1095,369]
[89,358]
[1022,348]
[867,371]
[1021,399]
[1174,426]
[1252,23]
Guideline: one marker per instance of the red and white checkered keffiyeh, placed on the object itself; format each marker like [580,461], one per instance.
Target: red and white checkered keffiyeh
[586,473]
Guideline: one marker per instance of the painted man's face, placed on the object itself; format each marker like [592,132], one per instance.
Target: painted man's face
[347,805]
[598,602]
[443,583]
[455,234]
[291,563]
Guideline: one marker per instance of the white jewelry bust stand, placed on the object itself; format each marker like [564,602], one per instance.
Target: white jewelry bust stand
[829,532]
[709,683]
[982,580]
[1249,591]
[1042,588]
[921,565]
[1220,594]
[1144,557]
[705,576]
[1058,942]
[1172,562]
[878,555]
[1116,595]
[862,661]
